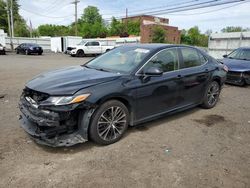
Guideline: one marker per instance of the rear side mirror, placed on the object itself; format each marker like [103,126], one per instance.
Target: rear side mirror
[153,71]
[225,56]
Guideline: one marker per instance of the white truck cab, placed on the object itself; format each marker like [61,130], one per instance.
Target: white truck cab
[89,48]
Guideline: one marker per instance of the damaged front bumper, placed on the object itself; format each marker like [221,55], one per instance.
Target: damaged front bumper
[55,128]
[238,78]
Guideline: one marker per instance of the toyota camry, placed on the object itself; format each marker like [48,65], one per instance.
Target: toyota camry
[124,87]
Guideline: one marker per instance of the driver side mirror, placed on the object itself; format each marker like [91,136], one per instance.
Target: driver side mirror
[225,56]
[153,71]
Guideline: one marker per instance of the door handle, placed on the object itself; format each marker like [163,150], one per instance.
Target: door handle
[206,70]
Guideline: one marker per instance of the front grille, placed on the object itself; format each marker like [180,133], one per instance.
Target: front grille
[232,75]
[70,48]
[35,95]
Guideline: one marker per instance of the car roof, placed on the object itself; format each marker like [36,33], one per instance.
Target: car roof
[244,48]
[31,44]
[156,46]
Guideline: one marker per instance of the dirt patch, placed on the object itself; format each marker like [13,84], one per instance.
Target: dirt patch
[211,120]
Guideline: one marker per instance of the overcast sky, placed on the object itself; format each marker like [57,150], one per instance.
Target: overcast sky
[61,12]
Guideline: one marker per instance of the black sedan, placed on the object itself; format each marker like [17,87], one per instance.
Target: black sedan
[238,63]
[29,48]
[124,87]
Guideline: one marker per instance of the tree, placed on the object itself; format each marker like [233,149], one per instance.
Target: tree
[234,29]
[20,28]
[91,15]
[194,37]
[116,27]
[53,30]
[91,25]
[134,27]
[159,35]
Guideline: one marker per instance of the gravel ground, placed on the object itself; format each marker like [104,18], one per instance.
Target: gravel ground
[195,148]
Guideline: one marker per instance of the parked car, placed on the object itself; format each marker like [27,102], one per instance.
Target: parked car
[238,63]
[2,49]
[29,48]
[126,86]
[89,48]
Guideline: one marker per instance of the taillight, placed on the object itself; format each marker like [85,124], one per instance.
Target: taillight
[225,68]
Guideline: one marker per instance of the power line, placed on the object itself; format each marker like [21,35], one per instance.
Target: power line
[206,4]
[142,10]
[199,13]
[38,14]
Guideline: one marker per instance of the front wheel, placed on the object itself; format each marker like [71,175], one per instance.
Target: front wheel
[109,122]
[80,53]
[212,95]
[26,52]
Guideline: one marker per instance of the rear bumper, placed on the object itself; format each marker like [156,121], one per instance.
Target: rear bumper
[36,51]
[54,128]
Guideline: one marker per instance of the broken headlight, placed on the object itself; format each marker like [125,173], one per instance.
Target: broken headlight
[65,100]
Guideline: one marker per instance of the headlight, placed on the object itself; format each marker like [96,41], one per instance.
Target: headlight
[65,100]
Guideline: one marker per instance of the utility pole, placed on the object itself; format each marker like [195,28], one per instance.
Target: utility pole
[9,13]
[31,29]
[75,3]
[12,19]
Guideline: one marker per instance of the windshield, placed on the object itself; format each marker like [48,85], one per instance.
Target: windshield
[82,42]
[243,54]
[122,59]
[32,45]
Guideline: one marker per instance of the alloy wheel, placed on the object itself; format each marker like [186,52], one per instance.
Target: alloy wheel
[111,123]
[213,93]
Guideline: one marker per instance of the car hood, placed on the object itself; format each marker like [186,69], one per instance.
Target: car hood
[237,64]
[68,81]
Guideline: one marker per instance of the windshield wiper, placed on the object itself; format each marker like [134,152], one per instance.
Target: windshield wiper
[100,69]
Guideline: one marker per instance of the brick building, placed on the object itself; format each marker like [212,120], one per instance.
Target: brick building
[147,25]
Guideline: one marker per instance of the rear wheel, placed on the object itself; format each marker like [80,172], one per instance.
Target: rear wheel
[109,122]
[212,95]
[80,53]
[40,53]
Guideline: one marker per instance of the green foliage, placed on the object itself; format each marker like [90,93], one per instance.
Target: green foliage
[234,29]
[53,30]
[3,16]
[159,35]
[134,28]
[118,28]
[20,28]
[194,37]
[91,25]
[91,15]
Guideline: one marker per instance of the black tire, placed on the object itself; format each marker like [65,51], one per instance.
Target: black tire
[40,53]
[17,52]
[26,52]
[106,130]
[80,53]
[212,94]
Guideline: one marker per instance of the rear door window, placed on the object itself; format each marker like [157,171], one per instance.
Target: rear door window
[192,58]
